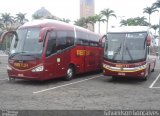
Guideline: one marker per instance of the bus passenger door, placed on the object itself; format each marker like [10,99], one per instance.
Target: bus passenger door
[50,62]
[90,58]
[57,57]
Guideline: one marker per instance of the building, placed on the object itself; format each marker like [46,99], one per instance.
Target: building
[87,8]
[44,13]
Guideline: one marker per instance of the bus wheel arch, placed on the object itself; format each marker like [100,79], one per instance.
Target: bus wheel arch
[147,76]
[70,73]
[153,68]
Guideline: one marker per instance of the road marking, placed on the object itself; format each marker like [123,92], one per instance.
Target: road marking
[155,87]
[151,86]
[44,90]
[157,68]
[3,79]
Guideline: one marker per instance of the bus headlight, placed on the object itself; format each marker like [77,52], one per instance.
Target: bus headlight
[38,69]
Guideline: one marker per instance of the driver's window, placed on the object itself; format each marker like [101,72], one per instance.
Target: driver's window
[51,46]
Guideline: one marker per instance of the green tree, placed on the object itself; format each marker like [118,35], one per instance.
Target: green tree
[108,13]
[99,19]
[91,20]
[157,5]
[65,20]
[124,22]
[155,27]
[149,11]
[21,18]
[141,21]
[7,20]
[36,16]
[82,22]
[137,21]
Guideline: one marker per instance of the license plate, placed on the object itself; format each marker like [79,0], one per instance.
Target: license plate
[20,75]
[121,74]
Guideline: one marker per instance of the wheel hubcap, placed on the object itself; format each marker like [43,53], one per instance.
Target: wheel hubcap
[69,73]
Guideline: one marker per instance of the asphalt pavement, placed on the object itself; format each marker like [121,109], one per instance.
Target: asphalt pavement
[91,91]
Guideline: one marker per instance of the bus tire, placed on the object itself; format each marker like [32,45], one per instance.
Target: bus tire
[70,73]
[153,68]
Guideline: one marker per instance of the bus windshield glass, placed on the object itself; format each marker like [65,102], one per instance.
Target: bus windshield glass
[126,47]
[27,42]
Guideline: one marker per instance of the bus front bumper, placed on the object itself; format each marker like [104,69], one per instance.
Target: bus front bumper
[126,72]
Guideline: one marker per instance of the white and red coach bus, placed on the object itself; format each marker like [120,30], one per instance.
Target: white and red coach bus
[129,52]
[47,49]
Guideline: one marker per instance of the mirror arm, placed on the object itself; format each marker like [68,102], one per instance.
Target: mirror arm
[5,33]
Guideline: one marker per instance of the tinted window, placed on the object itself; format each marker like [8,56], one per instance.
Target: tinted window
[82,38]
[27,42]
[125,46]
[51,47]
[65,39]
[59,40]
[93,40]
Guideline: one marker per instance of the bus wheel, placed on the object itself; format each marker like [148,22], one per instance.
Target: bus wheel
[153,68]
[146,77]
[70,73]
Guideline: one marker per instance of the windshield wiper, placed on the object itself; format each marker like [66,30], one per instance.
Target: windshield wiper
[14,54]
[117,51]
[33,56]
[129,52]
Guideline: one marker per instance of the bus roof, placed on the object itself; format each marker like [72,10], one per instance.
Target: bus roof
[54,23]
[45,23]
[129,29]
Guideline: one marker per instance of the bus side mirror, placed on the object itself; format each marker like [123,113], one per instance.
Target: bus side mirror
[102,40]
[43,33]
[148,40]
[8,33]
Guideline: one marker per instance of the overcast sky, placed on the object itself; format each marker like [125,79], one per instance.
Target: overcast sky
[70,8]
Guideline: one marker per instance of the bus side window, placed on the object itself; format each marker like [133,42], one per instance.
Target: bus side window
[51,46]
[65,39]
[82,38]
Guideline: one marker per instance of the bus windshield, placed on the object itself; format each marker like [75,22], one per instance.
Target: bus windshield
[27,42]
[126,47]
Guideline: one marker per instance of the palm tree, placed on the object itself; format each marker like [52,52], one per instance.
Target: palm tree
[91,20]
[21,18]
[141,21]
[108,13]
[99,19]
[1,24]
[7,19]
[149,11]
[36,16]
[155,27]
[82,22]
[157,5]
[137,21]
[124,22]
[65,20]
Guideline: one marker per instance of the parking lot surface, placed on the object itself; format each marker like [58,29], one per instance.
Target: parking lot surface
[91,91]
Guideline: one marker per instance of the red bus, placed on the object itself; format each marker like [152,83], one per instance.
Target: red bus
[47,49]
[129,52]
